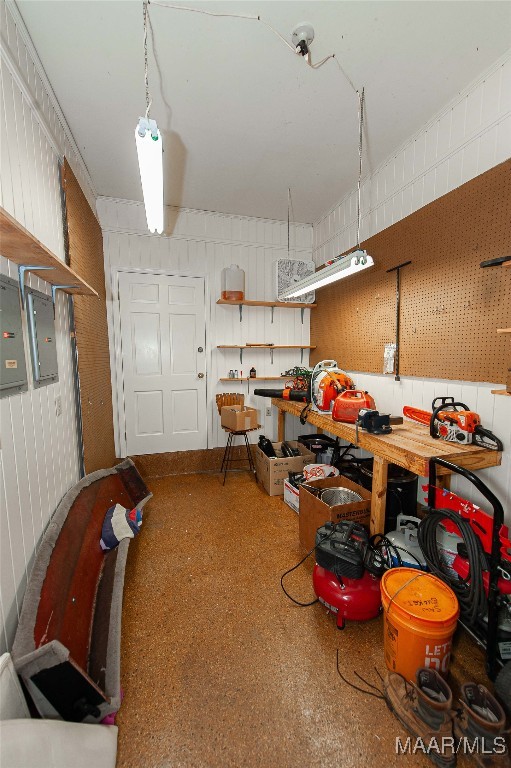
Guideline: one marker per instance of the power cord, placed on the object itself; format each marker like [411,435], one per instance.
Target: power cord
[470,593]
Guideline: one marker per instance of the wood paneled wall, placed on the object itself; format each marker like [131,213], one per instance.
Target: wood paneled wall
[450,307]
[86,257]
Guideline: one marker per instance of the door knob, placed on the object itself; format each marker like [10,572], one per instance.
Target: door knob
[200,375]
[200,349]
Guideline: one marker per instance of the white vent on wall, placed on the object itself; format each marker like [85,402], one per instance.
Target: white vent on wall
[291,271]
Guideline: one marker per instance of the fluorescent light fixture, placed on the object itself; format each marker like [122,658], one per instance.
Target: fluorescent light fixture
[346,265]
[150,161]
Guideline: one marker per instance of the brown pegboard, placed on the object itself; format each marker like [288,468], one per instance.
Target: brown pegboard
[86,258]
[450,307]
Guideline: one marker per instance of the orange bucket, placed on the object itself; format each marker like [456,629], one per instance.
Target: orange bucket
[420,616]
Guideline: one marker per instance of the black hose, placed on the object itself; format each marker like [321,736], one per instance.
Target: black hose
[470,592]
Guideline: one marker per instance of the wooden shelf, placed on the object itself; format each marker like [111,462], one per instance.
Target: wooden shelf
[18,245]
[503,330]
[271,347]
[260,378]
[500,392]
[280,304]
[266,346]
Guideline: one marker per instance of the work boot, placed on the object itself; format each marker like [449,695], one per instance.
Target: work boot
[425,710]
[481,723]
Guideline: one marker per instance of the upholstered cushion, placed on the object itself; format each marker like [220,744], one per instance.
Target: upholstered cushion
[56,744]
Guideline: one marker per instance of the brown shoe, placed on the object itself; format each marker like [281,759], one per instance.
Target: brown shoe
[481,723]
[425,711]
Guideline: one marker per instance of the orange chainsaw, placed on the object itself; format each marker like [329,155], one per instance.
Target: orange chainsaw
[455,423]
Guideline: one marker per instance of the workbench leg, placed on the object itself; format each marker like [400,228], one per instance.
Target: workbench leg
[444,481]
[281,432]
[379,495]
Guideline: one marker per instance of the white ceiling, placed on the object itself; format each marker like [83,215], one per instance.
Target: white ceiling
[243,117]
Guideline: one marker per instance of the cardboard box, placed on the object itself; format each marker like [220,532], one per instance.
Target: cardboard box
[271,473]
[239,417]
[314,512]
[292,496]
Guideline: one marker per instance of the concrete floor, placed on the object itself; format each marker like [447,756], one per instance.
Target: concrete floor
[219,668]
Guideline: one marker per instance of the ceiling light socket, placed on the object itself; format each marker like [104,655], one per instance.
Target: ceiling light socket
[302,37]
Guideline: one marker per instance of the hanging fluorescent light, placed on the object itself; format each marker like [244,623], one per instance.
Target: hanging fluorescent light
[343,267]
[150,152]
[150,161]
[353,262]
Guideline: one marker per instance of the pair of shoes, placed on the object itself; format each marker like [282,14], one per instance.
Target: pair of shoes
[425,710]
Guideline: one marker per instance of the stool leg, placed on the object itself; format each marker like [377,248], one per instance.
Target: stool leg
[228,457]
[225,453]
[249,454]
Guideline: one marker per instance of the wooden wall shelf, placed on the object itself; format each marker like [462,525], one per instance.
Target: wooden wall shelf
[501,392]
[271,347]
[280,304]
[18,245]
[272,304]
[503,330]
[259,378]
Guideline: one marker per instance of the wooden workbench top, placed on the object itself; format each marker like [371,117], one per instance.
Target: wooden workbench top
[409,444]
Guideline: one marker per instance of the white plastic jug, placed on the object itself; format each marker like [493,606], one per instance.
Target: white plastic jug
[233,283]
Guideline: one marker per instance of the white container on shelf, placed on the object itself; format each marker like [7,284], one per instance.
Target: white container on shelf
[233,283]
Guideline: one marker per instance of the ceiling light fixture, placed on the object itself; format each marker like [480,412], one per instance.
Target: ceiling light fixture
[353,262]
[150,154]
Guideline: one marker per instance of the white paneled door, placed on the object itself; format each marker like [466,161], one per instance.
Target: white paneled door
[163,336]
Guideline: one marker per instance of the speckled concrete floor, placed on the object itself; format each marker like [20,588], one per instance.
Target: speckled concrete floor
[219,668]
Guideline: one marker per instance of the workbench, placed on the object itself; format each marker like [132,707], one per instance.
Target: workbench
[409,445]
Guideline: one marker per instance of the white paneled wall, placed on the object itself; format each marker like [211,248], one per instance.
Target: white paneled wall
[470,136]
[39,452]
[203,243]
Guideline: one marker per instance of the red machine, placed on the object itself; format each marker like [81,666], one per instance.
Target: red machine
[348,404]
[351,599]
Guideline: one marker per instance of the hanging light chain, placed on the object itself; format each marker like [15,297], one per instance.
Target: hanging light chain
[148,99]
[360,151]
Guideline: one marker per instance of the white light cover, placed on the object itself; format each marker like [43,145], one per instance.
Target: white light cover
[348,265]
[150,161]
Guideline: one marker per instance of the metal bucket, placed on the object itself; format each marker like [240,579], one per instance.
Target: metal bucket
[334,496]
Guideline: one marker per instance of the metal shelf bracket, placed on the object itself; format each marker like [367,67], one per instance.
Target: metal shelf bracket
[22,269]
[302,310]
[240,307]
[56,288]
[241,356]
[272,310]
[271,355]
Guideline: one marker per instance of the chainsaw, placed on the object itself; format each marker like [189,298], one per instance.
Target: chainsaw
[454,422]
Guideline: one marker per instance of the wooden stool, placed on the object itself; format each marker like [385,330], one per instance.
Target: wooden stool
[232,398]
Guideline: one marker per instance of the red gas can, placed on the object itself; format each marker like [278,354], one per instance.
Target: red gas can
[348,404]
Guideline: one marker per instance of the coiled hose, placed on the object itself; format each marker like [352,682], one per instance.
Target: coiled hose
[470,593]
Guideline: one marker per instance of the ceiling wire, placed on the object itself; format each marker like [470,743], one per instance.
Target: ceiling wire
[361,99]
[266,24]
[288,218]
[148,99]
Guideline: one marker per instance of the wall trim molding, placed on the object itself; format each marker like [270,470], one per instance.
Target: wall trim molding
[18,78]
[14,11]
[208,240]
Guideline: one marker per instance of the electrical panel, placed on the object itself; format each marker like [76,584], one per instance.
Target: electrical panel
[13,369]
[41,331]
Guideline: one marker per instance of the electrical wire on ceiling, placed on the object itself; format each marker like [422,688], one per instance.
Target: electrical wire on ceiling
[307,58]
[266,24]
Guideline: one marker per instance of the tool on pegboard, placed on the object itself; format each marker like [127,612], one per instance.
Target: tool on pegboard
[397,270]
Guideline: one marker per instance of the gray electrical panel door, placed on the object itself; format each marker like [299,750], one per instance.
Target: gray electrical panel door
[41,331]
[13,370]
